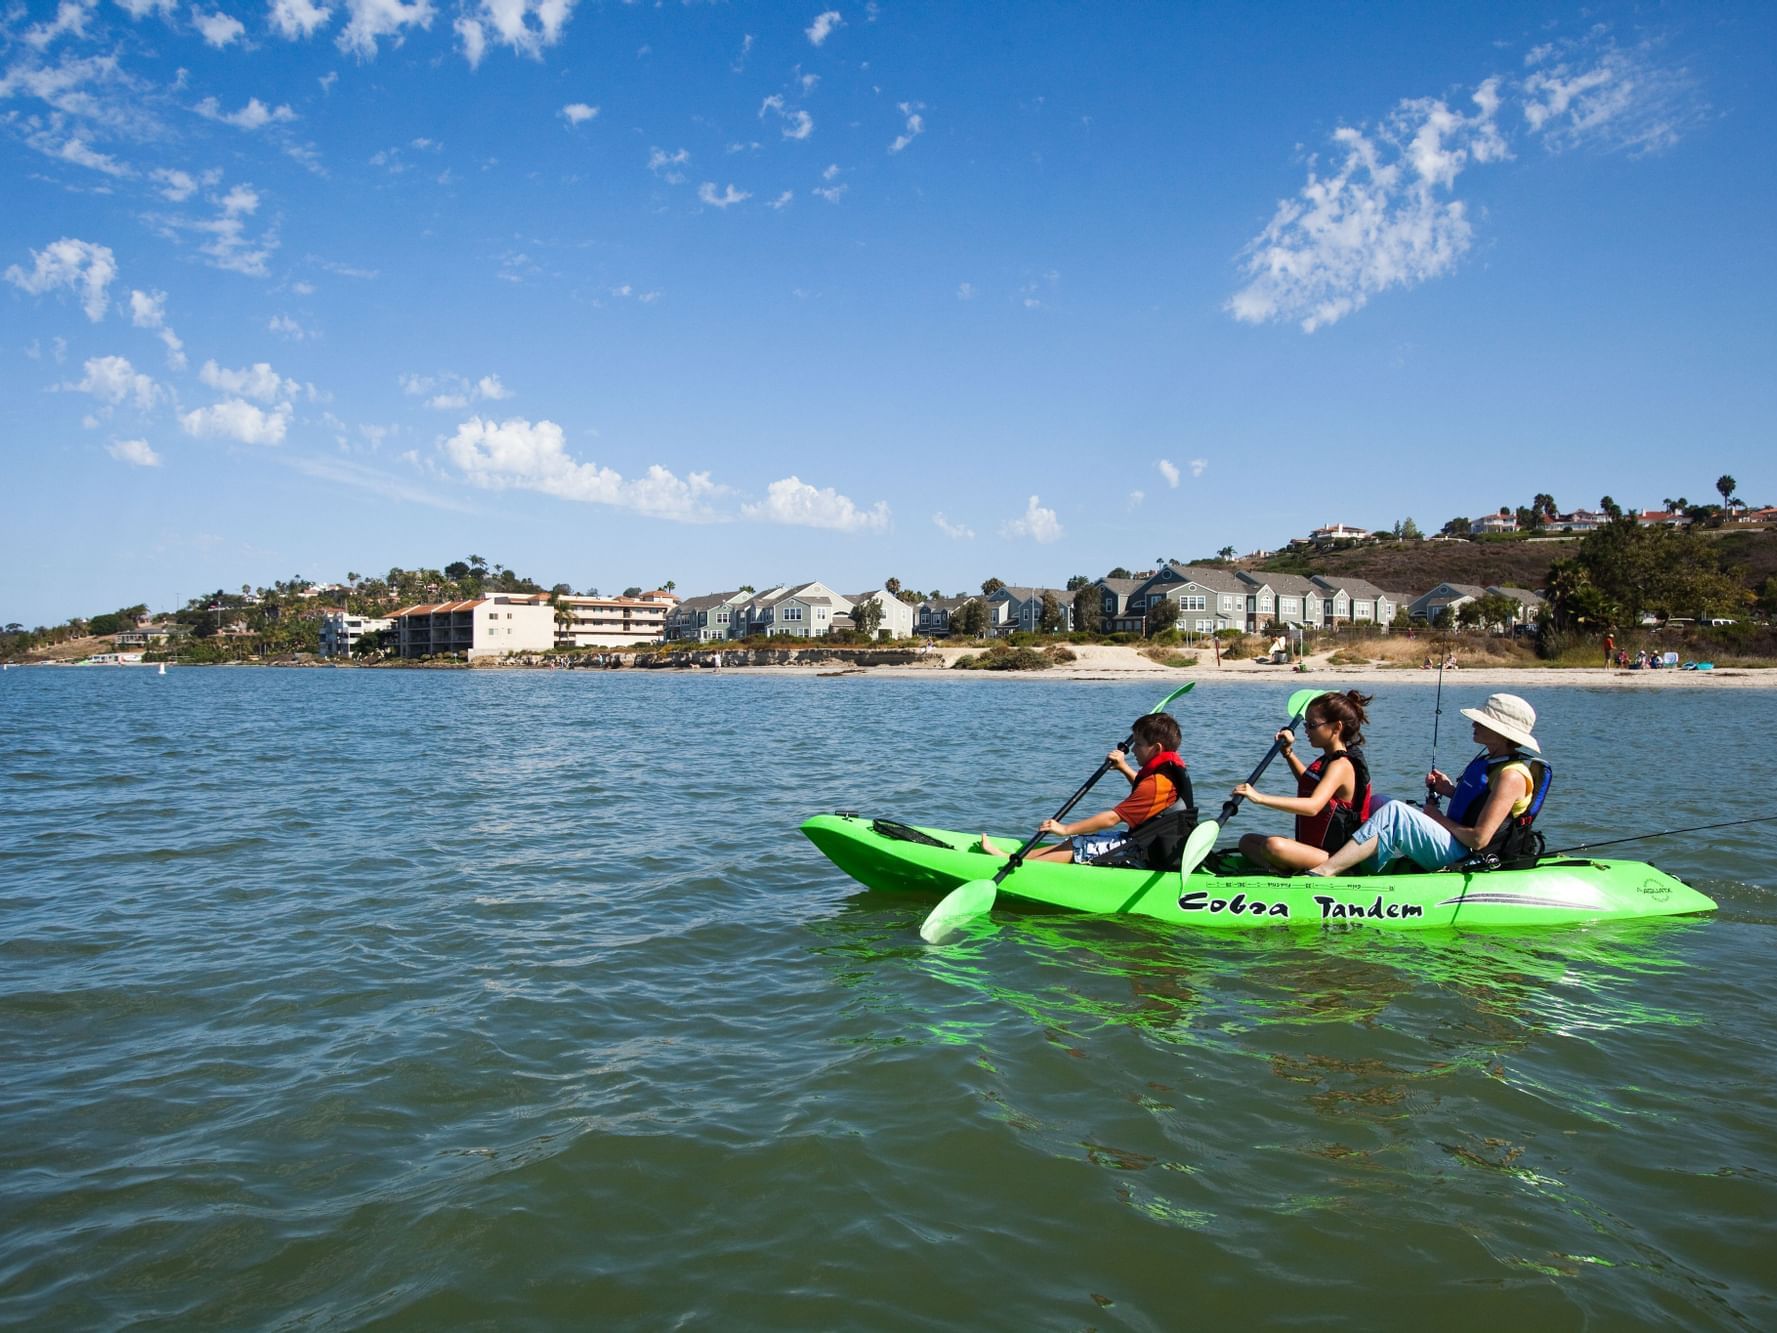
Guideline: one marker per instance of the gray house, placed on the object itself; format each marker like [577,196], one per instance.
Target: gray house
[1020,610]
[1208,599]
[1113,605]
[933,617]
[700,619]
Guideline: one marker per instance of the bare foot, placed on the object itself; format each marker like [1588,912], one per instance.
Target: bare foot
[987,845]
[1320,872]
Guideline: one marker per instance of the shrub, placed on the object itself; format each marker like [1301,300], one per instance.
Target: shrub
[1057,653]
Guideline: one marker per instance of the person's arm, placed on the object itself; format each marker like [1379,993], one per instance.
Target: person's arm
[1309,805]
[1097,823]
[1119,760]
[1287,739]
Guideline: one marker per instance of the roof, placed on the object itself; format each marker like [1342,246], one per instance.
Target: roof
[1289,585]
[1122,587]
[436,608]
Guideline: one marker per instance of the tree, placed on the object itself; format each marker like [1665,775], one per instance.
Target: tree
[1119,573]
[969,619]
[1049,618]
[456,571]
[1457,527]
[1544,504]
[632,591]
[1077,581]
[866,617]
[1226,553]
[1408,531]
[1162,616]
[990,586]
[1088,610]
[892,586]
[1612,510]
[1497,611]
[1726,485]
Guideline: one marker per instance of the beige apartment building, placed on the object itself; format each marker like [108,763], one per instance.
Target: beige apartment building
[614,622]
[481,627]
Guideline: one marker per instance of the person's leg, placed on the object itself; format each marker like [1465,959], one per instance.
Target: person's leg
[1252,847]
[1292,857]
[1061,851]
[1397,829]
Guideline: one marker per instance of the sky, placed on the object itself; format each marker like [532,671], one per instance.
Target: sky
[616,294]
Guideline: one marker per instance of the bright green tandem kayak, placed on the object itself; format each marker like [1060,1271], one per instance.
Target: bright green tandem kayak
[1558,890]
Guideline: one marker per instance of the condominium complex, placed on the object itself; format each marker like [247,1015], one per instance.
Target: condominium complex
[483,626]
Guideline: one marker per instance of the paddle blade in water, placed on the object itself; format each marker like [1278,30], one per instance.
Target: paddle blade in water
[963,903]
[1197,846]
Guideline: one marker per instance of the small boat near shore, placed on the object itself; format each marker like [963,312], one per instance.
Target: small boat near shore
[1558,890]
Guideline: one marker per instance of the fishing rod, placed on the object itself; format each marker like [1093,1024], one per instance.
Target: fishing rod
[1437,713]
[1639,837]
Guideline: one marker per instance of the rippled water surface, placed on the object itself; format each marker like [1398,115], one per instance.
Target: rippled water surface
[515,1000]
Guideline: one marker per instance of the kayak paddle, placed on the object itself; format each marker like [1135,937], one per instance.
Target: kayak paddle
[1203,837]
[976,898]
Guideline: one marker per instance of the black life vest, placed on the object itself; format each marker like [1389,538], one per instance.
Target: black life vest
[1158,842]
[1514,841]
[1338,819]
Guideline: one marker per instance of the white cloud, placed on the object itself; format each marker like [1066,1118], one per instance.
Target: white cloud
[578,113]
[113,380]
[285,327]
[255,115]
[489,386]
[965,291]
[831,193]
[474,40]
[1591,92]
[783,200]
[373,20]
[74,264]
[70,16]
[455,392]
[823,25]
[509,23]
[1199,466]
[148,310]
[133,451]
[729,197]
[1169,470]
[916,125]
[954,531]
[516,454]
[796,123]
[236,419]
[294,19]
[1381,220]
[219,29]
[1135,499]
[178,186]
[666,165]
[793,501]
[225,242]
[141,9]
[1037,523]
[258,381]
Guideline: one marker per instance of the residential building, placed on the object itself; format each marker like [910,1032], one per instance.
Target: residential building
[479,627]
[1280,599]
[1114,614]
[1018,610]
[1335,533]
[341,630]
[614,622]
[806,611]
[897,616]
[1663,518]
[1451,596]
[146,633]
[1580,520]
[933,618]
[711,616]
[1494,523]
[1209,599]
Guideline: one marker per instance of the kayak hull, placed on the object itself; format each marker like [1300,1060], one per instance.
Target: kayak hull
[1557,891]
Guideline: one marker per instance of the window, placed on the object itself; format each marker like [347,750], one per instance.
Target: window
[1193,601]
[792,612]
[1287,606]
[1264,601]
[1227,602]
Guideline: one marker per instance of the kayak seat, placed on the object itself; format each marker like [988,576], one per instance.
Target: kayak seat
[893,828]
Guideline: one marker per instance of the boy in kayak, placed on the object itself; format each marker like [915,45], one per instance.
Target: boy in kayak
[1492,804]
[1158,809]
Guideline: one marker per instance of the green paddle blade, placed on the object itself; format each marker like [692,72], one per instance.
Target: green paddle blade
[1300,700]
[1199,845]
[1184,689]
[963,903]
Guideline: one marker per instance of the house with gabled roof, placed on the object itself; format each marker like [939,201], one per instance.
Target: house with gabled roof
[933,617]
[805,611]
[1281,599]
[1114,614]
[1020,610]
[897,616]
[700,619]
[1208,598]
[1446,596]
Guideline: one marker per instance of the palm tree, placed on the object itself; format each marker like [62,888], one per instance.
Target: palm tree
[1726,485]
[1226,553]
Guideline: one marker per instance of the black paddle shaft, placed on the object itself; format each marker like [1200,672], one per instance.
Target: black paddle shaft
[1232,804]
[1091,782]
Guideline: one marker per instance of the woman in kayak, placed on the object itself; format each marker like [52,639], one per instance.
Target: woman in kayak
[1496,798]
[1157,787]
[1332,794]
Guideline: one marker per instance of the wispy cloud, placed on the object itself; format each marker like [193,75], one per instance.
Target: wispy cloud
[916,125]
[113,380]
[794,502]
[218,29]
[518,455]
[1037,523]
[727,199]
[136,452]
[1590,92]
[71,16]
[526,26]
[258,381]
[72,263]
[954,531]
[1169,470]
[148,310]
[666,165]
[238,420]
[823,26]
[1199,466]
[373,20]
[794,122]
[451,392]
[349,472]
[295,19]
[286,327]
[578,113]
[254,115]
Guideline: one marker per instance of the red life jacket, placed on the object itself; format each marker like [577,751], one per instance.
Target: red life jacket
[1332,828]
[1168,764]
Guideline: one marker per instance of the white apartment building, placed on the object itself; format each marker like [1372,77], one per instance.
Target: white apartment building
[480,627]
[614,622]
[341,630]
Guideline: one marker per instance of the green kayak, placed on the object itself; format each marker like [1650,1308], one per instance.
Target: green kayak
[1558,890]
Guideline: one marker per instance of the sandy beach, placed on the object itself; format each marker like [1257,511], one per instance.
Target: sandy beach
[1117,662]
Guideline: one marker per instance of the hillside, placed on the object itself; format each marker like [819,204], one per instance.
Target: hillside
[1416,567]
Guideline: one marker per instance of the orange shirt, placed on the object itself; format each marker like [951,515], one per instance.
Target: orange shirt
[1151,795]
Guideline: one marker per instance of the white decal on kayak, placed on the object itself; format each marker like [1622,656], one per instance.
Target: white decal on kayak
[1331,910]
[1238,905]
[1522,900]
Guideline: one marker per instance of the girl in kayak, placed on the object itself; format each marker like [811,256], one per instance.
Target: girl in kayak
[1332,794]
[1158,788]
[1491,805]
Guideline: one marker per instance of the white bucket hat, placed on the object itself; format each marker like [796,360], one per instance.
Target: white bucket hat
[1509,716]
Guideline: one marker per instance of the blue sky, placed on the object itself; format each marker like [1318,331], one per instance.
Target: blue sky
[616,294]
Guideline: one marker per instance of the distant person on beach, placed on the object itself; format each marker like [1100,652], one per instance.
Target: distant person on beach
[1157,816]
[1332,794]
[1610,647]
[1491,809]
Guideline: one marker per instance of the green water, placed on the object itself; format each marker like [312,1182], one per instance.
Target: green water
[448,999]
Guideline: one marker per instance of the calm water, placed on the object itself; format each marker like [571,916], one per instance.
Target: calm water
[421,998]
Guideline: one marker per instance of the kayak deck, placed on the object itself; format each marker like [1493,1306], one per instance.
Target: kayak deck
[1556,891]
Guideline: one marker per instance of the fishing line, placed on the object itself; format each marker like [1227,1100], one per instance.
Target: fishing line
[1695,828]
[1437,714]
